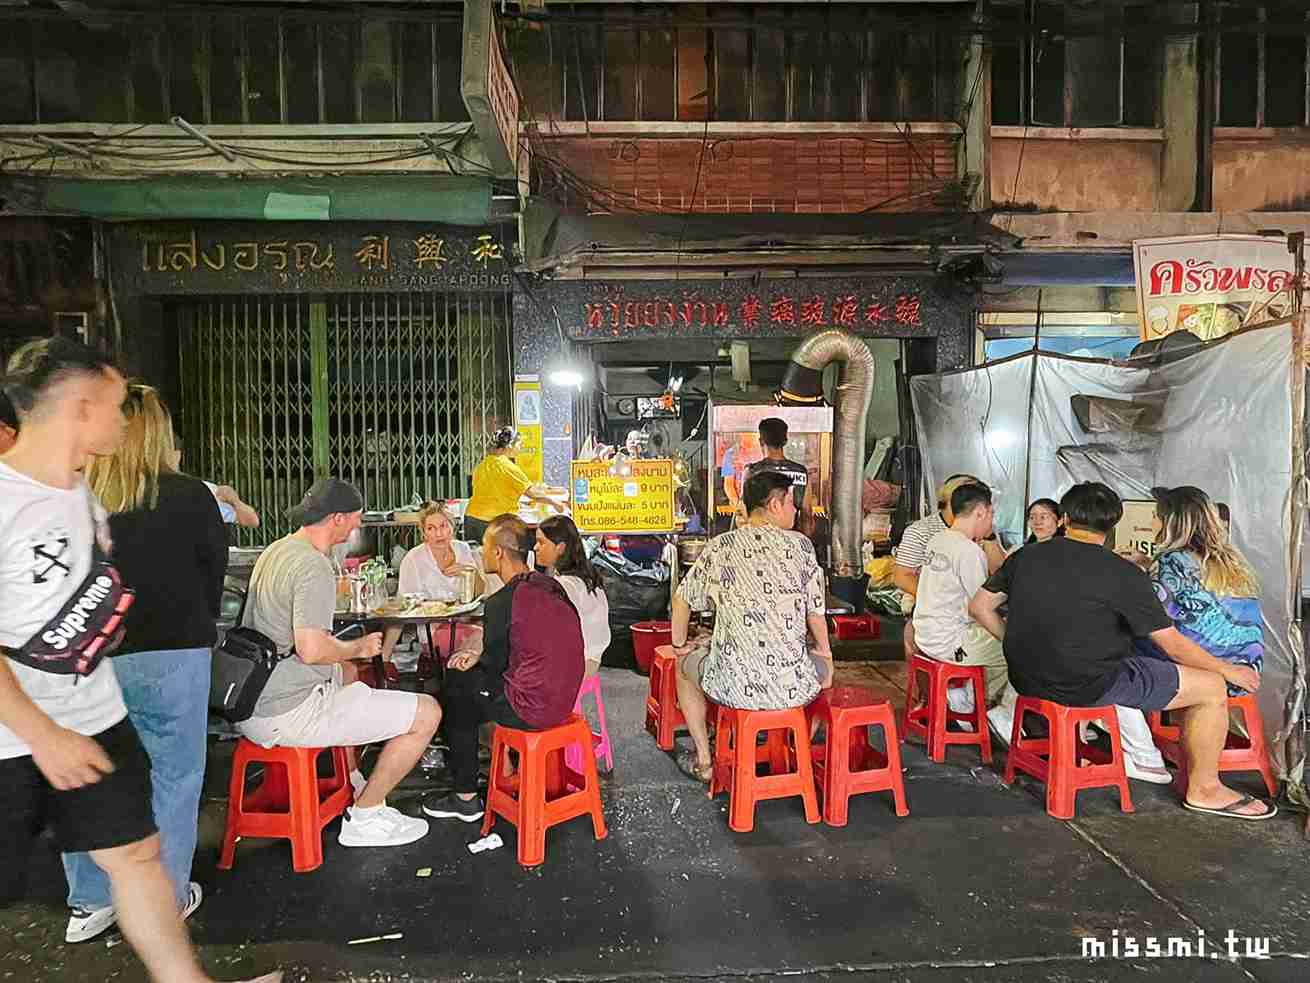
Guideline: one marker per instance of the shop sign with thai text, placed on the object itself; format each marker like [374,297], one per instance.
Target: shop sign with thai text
[1211,285]
[218,257]
[622,496]
[874,306]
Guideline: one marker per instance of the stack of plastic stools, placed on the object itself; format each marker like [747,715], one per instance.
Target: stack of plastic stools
[786,755]
[601,740]
[927,713]
[846,764]
[1250,753]
[1063,760]
[544,792]
[291,802]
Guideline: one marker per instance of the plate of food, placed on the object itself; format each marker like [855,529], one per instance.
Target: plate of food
[443,609]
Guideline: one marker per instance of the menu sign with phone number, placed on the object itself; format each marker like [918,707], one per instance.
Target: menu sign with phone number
[622,497]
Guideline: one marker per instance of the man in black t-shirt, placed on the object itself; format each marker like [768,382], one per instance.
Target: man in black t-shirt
[773,439]
[1075,609]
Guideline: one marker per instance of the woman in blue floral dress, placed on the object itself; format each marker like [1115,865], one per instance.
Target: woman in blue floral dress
[1205,584]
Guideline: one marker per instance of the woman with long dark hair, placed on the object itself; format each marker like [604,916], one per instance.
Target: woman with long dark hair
[559,548]
[1044,517]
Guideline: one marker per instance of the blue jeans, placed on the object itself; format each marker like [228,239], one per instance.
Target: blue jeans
[167,697]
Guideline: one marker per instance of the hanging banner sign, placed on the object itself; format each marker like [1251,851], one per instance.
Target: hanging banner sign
[527,421]
[622,497]
[1211,285]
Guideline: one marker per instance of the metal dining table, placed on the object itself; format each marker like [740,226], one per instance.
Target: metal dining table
[381,622]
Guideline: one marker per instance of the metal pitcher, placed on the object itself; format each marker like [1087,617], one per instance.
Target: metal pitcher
[468,585]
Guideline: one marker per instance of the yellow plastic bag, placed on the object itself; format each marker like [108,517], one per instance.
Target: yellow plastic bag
[879,569]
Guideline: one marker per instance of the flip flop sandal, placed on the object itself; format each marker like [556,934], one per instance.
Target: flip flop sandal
[688,766]
[1231,812]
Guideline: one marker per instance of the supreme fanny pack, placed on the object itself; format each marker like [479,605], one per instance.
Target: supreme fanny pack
[87,628]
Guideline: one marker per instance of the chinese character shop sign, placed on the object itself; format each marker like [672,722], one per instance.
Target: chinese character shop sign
[218,257]
[877,307]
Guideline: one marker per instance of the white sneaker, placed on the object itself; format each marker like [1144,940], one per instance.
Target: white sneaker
[960,699]
[1144,773]
[193,898]
[266,978]
[85,924]
[381,826]
[1001,721]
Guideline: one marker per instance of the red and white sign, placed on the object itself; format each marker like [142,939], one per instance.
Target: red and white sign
[1211,285]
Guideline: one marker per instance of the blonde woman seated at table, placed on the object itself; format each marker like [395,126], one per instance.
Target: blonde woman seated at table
[433,569]
[560,551]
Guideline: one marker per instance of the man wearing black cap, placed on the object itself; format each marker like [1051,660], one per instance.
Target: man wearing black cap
[312,698]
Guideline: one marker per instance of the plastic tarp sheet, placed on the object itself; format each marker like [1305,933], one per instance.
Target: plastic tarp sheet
[1221,419]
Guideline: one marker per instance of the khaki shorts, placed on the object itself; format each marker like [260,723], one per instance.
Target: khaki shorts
[691,664]
[337,716]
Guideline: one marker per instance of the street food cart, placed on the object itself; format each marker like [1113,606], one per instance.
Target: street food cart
[734,444]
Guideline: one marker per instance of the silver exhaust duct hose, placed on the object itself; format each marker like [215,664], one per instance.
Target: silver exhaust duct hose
[803,384]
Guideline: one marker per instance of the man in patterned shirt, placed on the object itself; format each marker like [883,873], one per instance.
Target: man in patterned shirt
[767,592]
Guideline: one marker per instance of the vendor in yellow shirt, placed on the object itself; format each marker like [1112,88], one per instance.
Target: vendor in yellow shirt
[498,483]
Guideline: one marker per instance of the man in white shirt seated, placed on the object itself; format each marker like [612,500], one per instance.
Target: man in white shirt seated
[954,569]
[909,552]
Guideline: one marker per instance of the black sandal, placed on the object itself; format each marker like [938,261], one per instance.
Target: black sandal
[1231,810]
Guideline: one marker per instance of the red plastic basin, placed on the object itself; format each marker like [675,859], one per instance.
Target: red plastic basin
[647,636]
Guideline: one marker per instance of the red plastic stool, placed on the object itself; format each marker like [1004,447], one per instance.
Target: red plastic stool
[1058,759]
[846,764]
[544,791]
[291,802]
[663,715]
[1250,753]
[736,755]
[926,717]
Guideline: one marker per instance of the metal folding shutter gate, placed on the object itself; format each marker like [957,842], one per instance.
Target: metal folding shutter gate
[396,393]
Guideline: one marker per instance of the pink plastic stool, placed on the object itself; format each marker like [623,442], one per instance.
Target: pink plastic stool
[601,741]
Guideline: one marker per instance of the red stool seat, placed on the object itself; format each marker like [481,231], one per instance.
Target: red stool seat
[927,713]
[544,791]
[291,802]
[1250,753]
[1058,760]
[786,755]
[663,715]
[846,764]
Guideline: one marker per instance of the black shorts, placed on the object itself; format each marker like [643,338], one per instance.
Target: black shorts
[112,812]
[1145,680]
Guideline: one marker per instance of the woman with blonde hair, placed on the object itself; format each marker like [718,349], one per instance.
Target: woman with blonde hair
[171,549]
[1204,582]
[433,569]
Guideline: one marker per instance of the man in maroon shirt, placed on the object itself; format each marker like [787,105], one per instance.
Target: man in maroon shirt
[527,673]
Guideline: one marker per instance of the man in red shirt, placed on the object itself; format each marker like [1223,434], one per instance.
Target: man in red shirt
[526,675]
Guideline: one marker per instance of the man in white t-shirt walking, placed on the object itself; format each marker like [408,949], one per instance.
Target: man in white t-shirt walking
[954,569]
[68,753]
